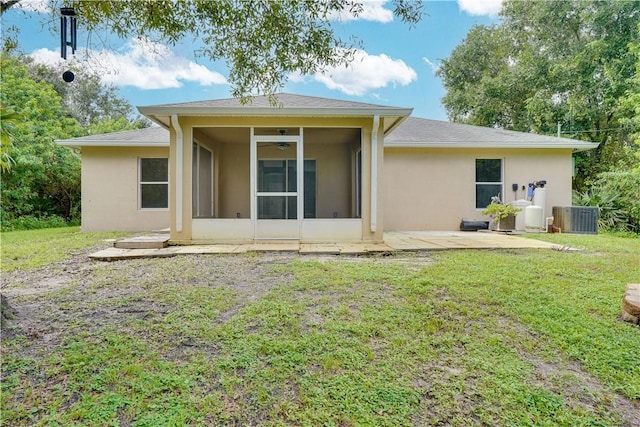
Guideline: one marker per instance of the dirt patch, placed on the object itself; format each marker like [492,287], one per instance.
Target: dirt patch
[80,294]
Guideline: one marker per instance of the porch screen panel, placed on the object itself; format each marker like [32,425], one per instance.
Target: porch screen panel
[277,177]
[224,188]
[205,186]
[202,182]
[272,176]
[332,189]
[309,188]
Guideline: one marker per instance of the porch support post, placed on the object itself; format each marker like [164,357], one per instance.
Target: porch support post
[253,173]
[374,173]
[179,170]
[300,179]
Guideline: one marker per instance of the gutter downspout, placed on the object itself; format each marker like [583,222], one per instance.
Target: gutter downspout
[179,156]
[374,173]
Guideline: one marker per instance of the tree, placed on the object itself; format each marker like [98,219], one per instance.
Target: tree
[630,103]
[482,82]
[8,120]
[44,180]
[35,185]
[550,62]
[261,41]
[97,107]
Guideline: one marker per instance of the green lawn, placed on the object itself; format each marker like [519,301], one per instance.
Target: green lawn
[518,337]
[28,249]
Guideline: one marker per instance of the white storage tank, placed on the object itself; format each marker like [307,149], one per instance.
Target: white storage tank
[533,217]
[540,199]
[520,221]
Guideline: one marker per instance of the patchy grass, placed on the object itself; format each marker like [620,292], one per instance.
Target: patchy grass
[30,249]
[520,337]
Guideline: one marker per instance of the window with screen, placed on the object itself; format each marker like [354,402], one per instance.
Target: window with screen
[488,181]
[154,183]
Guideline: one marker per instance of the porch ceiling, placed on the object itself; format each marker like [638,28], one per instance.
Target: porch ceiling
[313,136]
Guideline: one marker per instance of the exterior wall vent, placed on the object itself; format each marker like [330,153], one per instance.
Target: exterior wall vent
[576,219]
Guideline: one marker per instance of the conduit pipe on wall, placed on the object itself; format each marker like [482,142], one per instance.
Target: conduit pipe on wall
[374,173]
[175,124]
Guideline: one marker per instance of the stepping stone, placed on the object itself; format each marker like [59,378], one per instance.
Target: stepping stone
[157,241]
[631,304]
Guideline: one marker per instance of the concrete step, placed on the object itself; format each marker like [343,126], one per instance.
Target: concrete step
[156,241]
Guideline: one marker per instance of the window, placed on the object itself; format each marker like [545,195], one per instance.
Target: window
[154,183]
[488,181]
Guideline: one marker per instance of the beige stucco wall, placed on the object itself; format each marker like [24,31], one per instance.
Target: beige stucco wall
[434,189]
[110,190]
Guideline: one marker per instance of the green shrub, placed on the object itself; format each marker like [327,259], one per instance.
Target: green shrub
[617,197]
[31,222]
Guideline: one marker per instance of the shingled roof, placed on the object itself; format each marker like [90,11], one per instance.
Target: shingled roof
[411,132]
[417,132]
[154,136]
[282,100]
[287,105]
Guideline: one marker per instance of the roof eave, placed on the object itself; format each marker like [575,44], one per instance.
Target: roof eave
[396,123]
[271,112]
[576,147]
[80,144]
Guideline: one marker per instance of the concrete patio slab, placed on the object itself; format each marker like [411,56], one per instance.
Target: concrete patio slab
[116,254]
[394,241]
[417,240]
[378,247]
[351,248]
[319,248]
[273,246]
[208,249]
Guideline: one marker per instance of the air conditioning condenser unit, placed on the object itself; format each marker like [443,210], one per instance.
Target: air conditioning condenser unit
[576,219]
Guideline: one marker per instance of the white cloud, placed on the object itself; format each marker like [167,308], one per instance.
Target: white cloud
[142,64]
[434,67]
[46,56]
[372,10]
[367,72]
[480,7]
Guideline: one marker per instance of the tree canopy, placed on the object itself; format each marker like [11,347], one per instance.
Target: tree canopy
[261,41]
[39,178]
[571,62]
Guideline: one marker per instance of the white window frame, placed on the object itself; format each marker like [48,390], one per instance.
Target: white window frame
[501,183]
[141,183]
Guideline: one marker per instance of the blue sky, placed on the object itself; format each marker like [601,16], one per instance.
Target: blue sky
[396,66]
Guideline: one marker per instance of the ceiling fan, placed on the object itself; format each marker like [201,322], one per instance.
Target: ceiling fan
[281,145]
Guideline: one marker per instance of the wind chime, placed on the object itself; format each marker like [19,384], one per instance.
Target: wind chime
[68,37]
